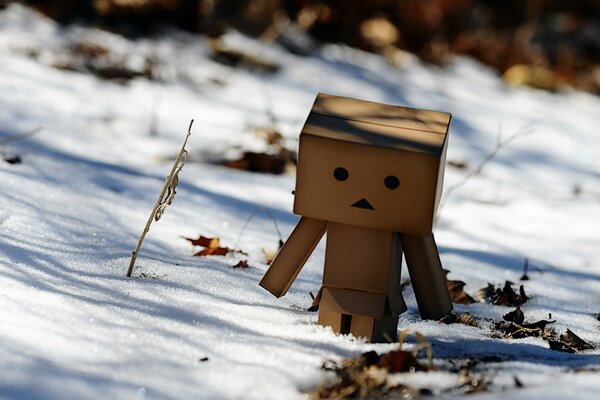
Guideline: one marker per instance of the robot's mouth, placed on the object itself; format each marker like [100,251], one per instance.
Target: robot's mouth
[363,203]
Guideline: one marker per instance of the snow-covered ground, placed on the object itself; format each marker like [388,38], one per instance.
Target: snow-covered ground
[73,326]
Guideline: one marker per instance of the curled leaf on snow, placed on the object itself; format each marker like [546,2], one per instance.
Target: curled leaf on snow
[569,342]
[459,318]
[457,292]
[212,246]
[505,296]
[515,316]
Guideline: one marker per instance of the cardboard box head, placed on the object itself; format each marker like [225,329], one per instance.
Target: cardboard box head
[369,164]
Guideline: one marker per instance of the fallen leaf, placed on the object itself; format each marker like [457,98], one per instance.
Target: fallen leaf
[212,246]
[570,343]
[205,241]
[515,316]
[243,264]
[457,292]
[461,318]
[485,294]
[218,251]
[505,296]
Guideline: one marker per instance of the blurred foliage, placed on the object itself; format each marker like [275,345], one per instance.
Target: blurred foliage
[542,43]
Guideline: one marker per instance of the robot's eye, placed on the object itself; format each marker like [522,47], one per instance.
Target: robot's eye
[391,182]
[341,174]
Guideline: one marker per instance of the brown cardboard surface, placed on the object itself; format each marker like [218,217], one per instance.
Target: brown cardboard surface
[364,259]
[408,208]
[427,276]
[291,258]
[373,134]
[332,319]
[381,114]
[358,258]
[440,178]
[361,326]
[353,302]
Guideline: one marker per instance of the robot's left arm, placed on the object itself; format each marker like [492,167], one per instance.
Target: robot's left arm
[427,275]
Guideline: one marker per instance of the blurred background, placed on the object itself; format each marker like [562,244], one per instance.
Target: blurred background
[548,44]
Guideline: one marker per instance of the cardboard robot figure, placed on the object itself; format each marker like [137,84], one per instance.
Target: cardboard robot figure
[370,175]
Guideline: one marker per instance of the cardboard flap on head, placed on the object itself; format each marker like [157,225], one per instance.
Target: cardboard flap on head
[353,302]
[385,125]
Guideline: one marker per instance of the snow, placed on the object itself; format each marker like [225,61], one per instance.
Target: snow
[73,326]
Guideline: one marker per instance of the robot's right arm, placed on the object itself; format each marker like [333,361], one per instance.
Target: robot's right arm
[292,256]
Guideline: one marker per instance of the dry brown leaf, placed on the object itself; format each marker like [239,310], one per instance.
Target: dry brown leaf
[205,241]
[457,292]
[218,251]
[462,318]
[212,246]
[515,316]
[570,343]
[505,296]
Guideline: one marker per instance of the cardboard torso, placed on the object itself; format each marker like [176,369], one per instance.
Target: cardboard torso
[362,265]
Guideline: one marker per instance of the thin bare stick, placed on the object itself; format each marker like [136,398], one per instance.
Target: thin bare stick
[163,202]
[20,136]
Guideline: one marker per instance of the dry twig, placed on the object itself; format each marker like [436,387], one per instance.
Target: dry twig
[166,196]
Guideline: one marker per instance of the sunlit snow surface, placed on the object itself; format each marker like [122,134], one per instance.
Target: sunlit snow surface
[71,324]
